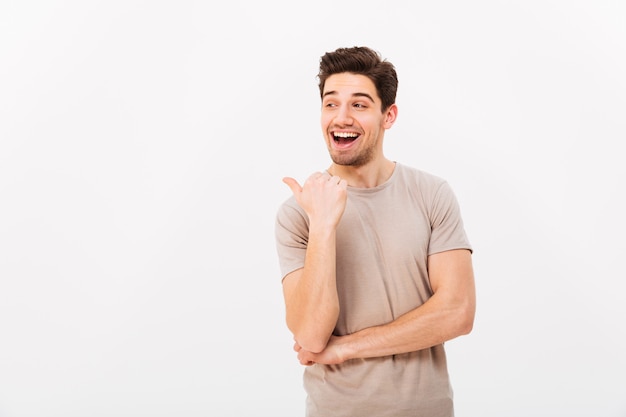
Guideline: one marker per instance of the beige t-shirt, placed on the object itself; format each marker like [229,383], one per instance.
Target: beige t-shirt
[383,242]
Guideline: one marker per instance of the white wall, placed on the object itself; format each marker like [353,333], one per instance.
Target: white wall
[142,147]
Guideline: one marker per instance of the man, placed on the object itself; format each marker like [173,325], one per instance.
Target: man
[376,265]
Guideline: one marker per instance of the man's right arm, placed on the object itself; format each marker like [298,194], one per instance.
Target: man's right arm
[311,301]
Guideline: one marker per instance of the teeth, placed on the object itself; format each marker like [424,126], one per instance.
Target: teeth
[346,135]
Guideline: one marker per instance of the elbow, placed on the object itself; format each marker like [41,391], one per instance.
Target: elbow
[466,327]
[460,320]
[312,343]
[314,347]
[311,340]
[312,335]
[466,320]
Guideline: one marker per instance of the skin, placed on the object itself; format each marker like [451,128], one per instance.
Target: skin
[350,104]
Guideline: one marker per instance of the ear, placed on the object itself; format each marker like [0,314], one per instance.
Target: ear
[390,116]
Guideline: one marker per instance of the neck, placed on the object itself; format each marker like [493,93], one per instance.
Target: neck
[366,176]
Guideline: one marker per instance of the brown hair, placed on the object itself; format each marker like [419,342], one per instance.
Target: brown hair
[364,61]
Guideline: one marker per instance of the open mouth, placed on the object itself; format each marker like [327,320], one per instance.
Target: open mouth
[343,139]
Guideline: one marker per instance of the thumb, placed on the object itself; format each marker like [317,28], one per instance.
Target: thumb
[293,185]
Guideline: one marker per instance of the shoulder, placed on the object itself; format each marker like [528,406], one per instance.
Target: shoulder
[423,180]
[291,217]
[290,208]
[430,191]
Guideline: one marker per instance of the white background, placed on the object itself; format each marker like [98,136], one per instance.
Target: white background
[142,149]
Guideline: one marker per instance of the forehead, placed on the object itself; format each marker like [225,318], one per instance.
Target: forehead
[346,83]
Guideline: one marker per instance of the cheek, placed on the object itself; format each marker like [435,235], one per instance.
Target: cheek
[324,122]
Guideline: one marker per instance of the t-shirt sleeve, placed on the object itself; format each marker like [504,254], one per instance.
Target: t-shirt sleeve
[447,229]
[292,236]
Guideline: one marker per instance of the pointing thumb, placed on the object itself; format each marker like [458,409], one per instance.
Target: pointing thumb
[293,185]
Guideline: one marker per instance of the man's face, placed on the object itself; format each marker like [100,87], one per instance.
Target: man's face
[351,120]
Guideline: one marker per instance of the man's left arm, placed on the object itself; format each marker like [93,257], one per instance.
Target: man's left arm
[449,313]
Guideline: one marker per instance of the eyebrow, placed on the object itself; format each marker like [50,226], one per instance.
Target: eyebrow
[329,93]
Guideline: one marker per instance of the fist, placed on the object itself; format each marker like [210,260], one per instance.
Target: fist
[323,197]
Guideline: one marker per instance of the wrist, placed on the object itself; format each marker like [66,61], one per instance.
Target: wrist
[347,348]
[322,230]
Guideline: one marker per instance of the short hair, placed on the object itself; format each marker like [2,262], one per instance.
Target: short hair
[364,61]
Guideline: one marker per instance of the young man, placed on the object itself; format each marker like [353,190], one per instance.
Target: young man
[376,265]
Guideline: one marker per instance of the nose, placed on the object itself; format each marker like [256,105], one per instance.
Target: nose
[343,116]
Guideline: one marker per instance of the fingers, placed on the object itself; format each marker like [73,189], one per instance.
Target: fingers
[296,188]
[339,181]
[301,354]
[334,179]
[322,196]
[326,177]
[319,176]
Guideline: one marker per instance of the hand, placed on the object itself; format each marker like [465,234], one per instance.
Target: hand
[333,353]
[323,197]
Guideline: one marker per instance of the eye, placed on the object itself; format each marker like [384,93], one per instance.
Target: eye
[360,106]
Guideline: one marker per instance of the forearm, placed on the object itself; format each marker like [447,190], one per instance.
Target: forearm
[447,314]
[312,303]
[431,324]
